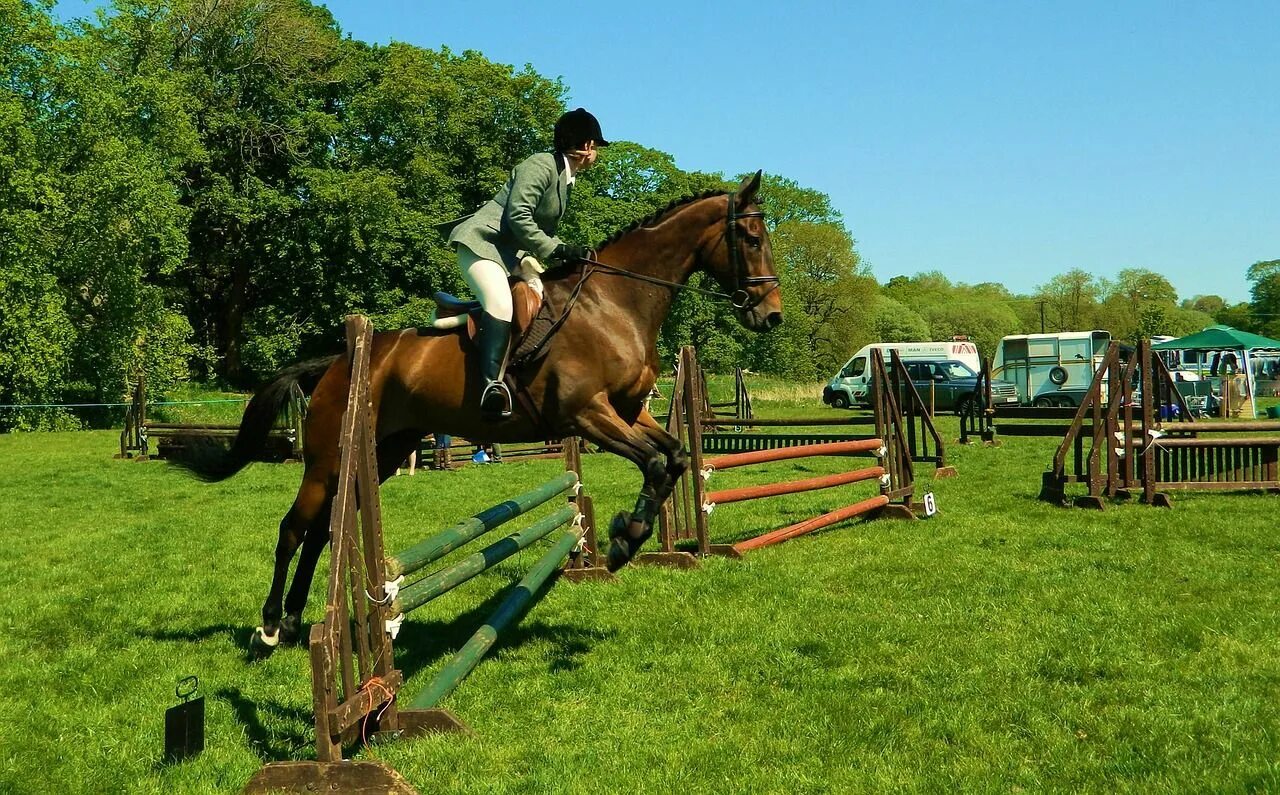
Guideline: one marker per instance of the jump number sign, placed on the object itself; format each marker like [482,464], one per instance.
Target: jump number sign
[930,506]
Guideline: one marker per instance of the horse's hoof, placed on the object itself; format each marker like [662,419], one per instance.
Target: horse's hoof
[290,630]
[624,542]
[620,554]
[262,645]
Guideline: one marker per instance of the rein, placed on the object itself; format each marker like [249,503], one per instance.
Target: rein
[740,299]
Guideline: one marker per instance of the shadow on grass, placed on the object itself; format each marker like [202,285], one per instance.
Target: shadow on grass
[266,746]
[269,747]
[418,646]
[421,644]
[240,636]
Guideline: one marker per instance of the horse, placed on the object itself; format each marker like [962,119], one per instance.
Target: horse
[592,380]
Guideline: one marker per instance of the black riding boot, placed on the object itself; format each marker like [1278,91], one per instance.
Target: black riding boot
[493,340]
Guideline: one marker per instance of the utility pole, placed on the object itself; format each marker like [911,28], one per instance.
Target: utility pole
[1041,302]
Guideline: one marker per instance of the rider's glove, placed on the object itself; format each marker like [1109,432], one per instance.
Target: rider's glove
[570,252]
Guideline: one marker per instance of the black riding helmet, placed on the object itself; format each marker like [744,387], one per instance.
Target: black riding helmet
[575,128]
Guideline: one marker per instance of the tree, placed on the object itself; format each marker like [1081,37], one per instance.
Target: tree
[785,200]
[1209,304]
[895,322]
[1239,316]
[1137,304]
[1069,301]
[1265,292]
[830,286]
[91,215]
[984,323]
[1181,322]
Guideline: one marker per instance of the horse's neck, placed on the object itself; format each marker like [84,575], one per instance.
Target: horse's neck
[666,250]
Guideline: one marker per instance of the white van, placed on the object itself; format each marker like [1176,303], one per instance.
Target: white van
[849,386]
[1050,369]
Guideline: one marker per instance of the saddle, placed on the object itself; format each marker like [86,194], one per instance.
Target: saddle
[531,322]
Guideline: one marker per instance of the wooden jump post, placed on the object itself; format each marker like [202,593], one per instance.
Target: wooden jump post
[685,517]
[355,685]
[1118,445]
[985,421]
[724,434]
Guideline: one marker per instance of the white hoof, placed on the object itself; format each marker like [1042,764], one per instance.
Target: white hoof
[261,638]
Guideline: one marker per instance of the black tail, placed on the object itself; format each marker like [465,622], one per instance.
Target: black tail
[210,461]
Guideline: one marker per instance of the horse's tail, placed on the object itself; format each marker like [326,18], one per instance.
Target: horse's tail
[210,461]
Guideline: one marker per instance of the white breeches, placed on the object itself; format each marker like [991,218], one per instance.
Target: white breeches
[488,282]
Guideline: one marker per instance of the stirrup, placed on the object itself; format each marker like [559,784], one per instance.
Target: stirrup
[496,399]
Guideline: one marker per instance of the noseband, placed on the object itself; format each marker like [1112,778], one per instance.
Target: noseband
[741,298]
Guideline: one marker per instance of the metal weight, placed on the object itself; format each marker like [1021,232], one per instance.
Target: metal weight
[184,723]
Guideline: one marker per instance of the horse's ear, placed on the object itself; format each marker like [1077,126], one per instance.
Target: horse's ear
[747,190]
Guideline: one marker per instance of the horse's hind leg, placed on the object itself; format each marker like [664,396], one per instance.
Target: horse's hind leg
[310,510]
[313,543]
[314,533]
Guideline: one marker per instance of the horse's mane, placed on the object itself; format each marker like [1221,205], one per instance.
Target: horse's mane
[560,272]
[653,217]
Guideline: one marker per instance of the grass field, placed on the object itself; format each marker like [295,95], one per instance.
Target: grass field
[1003,645]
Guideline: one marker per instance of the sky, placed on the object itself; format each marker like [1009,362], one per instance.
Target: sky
[992,141]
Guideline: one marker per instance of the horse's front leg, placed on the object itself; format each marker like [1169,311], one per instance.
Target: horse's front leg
[671,447]
[600,423]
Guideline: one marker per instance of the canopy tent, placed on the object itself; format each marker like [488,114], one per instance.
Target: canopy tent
[1218,338]
[1225,338]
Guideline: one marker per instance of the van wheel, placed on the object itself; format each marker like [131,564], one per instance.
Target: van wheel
[1044,403]
[840,400]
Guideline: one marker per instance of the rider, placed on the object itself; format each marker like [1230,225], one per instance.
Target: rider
[519,223]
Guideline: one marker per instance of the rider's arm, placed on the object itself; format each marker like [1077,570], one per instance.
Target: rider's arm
[531,179]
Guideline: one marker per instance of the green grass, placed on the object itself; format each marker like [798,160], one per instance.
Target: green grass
[1003,645]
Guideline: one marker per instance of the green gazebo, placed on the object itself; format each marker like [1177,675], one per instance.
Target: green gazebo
[1223,339]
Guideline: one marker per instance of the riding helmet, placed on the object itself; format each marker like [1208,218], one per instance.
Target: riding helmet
[575,128]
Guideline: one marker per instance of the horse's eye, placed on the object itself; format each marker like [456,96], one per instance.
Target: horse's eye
[752,241]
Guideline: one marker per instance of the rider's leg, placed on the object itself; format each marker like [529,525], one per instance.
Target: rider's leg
[488,282]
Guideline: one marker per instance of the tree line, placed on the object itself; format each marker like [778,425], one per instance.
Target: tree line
[204,188]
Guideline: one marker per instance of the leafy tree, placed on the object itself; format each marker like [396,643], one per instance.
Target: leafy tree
[786,200]
[1070,300]
[1265,292]
[1181,321]
[1238,316]
[91,214]
[1137,304]
[984,323]
[35,333]
[1209,304]
[895,322]
[830,287]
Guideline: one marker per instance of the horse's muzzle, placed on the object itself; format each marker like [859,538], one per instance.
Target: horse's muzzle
[773,320]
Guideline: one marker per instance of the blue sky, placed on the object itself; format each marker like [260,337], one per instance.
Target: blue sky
[998,141]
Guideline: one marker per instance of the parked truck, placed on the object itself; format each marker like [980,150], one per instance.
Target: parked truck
[947,369]
[1050,369]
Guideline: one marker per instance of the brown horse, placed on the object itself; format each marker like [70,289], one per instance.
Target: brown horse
[592,382]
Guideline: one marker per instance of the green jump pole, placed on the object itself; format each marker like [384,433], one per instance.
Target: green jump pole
[445,580]
[444,542]
[470,654]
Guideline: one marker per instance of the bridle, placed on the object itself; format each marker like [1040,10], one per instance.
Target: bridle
[740,298]
[739,264]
